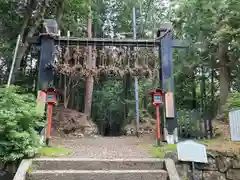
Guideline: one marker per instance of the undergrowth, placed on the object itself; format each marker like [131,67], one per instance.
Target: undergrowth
[18,123]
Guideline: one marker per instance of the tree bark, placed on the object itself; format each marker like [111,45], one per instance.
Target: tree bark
[212,89]
[194,93]
[224,73]
[23,48]
[89,80]
[59,13]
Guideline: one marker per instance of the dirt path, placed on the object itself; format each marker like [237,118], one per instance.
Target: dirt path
[105,147]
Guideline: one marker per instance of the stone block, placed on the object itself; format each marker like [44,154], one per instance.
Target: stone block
[170,167]
[236,163]
[97,164]
[198,175]
[183,170]
[233,174]
[99,175]
[210,166]
[213,175]
[172,155]
[223,163]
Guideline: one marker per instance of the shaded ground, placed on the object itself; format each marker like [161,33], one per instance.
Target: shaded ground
[222,142]
[105,147]
[6,176]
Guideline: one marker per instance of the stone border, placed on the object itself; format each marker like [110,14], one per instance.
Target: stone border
[171,170]
[23,169]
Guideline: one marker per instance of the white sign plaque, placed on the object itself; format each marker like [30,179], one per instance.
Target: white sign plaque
[192,152]
[234,123]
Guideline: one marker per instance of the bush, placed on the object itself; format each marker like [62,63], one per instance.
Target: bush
[233,102]
[18,121]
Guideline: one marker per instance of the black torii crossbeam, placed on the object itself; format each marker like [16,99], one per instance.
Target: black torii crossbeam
[108,42]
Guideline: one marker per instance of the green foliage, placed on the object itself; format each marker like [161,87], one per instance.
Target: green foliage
[189,123]
[18,121]
[108,106]
[233,102]
[109,103]
[206,24]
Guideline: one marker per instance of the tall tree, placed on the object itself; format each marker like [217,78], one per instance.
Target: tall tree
[91,64]
[211,25]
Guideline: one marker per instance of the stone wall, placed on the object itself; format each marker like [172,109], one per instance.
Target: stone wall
[221,166]
[7,172]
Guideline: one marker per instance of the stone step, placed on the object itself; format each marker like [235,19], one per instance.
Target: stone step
[97,164]
[99,175]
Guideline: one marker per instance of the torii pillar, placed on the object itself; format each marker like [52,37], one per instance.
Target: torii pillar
[170,126]
[47,53]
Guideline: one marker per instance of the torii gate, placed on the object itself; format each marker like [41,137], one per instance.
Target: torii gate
[165,42]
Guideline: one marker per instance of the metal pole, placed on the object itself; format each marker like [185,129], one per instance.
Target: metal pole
[49,114]
[134,23]
[13,61]
[135,78]
[193,171]
[158,125]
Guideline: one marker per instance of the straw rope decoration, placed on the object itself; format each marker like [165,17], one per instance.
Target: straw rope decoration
[111,61]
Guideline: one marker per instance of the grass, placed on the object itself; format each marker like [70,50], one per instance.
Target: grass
[221,144]
[160,152]
[48,151]
[206,142]
[218,144]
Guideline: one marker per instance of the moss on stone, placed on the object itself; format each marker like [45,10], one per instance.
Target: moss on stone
[48,151]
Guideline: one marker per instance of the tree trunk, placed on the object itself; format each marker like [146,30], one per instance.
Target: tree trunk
[22,49]
[212,89]
[224,73]
[89,79]
[194,93]
[59,13]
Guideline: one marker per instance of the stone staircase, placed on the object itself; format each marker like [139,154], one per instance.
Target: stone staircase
[97,169]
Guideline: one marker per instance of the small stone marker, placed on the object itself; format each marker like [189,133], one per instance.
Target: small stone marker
[192,152]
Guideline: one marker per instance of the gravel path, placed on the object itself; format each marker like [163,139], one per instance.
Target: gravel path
[105,147]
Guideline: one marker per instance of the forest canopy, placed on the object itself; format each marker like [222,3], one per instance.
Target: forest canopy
[205,73]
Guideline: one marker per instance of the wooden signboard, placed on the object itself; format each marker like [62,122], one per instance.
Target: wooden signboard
[169,105]
[41,101]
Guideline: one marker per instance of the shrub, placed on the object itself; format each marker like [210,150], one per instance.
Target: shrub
[18,121]
[233,102]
